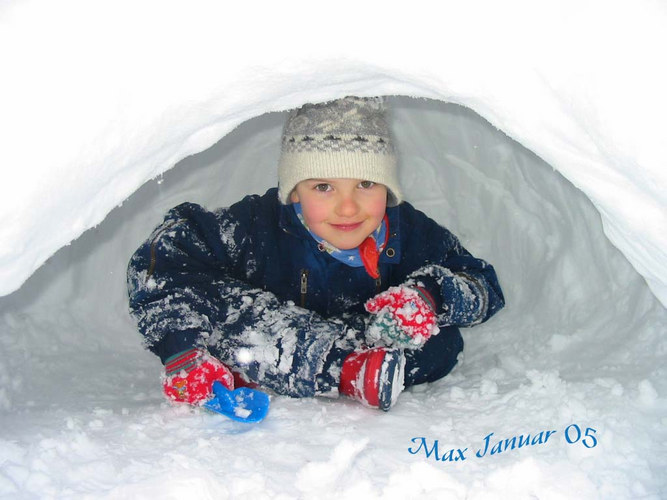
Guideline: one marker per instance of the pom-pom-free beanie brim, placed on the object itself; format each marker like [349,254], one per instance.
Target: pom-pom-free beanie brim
[296,167]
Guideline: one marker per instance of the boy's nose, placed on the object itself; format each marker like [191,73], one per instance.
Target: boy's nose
[347,206]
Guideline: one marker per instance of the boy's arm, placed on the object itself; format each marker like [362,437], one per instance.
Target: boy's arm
[171,282]
[463,298]
[184,287]
[465,288]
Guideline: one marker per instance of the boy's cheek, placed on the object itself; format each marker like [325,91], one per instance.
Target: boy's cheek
[380,207]
[313,213]
[377,209]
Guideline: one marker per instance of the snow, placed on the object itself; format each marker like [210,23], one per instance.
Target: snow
[99,98]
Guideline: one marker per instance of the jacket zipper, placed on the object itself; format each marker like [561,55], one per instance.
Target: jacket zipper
[304,286]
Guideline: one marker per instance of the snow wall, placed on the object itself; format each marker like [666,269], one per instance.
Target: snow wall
[572,216]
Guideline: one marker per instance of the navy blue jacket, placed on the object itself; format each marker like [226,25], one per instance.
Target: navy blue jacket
[199,270]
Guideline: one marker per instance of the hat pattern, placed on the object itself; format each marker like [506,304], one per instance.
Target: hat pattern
[352,124]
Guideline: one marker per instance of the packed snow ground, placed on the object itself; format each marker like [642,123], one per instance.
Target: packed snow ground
[580,346]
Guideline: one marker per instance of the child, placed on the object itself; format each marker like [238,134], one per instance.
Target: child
[328,285]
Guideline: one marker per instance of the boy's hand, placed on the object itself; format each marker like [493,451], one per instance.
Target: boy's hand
[189,376]
[405,317]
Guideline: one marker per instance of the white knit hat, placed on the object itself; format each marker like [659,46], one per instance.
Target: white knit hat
[346,138]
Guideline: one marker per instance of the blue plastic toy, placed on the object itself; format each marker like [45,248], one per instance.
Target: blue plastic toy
[243,404]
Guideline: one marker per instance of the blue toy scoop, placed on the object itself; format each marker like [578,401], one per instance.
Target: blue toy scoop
[242,404]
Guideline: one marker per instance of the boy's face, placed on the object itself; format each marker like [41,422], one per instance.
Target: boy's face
[343,212]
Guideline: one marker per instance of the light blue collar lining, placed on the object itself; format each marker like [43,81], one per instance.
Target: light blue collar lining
[350,257]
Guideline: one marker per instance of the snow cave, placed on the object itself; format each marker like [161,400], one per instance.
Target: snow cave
[533,132]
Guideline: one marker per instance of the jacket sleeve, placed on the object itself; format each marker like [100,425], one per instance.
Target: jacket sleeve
[186,283]
[171,281]
[465,288]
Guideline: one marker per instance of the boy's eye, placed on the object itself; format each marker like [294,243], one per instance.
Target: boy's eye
[366,184]
[322,187]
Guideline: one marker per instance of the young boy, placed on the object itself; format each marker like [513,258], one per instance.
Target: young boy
[328,285]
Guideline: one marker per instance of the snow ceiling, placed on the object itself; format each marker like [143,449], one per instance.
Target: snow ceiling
[96,98]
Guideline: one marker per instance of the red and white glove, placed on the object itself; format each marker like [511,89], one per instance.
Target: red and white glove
[189,376]
[405,317]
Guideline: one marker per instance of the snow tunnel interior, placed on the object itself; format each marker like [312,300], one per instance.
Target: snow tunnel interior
[573,300]
[581,335]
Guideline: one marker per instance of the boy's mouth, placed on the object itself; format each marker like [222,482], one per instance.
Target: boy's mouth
[346,227]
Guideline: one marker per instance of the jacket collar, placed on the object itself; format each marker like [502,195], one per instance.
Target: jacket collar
[392,252]
[291,224]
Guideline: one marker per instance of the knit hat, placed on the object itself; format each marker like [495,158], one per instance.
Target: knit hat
[346,138]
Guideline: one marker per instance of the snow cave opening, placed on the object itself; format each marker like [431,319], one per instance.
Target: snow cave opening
[580,336]
[566,286]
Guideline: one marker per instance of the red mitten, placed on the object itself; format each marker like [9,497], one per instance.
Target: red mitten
[189,376]
[405,317]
